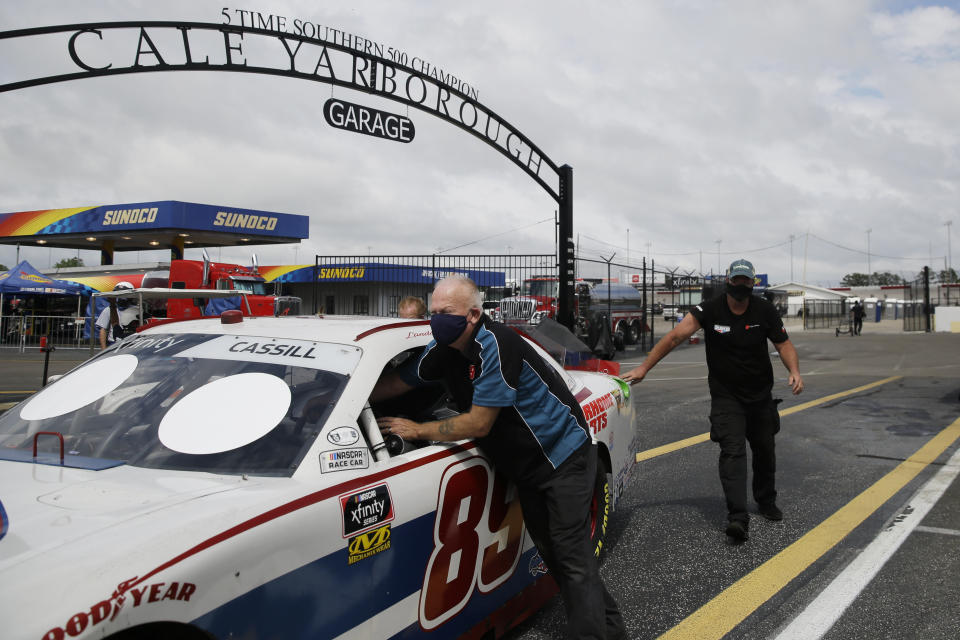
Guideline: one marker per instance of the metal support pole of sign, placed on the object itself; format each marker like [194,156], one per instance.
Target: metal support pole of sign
[926,298]
[565,255]
[653,299]
[647,315]
[316,284]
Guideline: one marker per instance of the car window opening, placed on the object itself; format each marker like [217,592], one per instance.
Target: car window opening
[422,404]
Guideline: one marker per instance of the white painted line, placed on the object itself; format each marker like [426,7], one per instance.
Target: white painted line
[940,530]
[821,614]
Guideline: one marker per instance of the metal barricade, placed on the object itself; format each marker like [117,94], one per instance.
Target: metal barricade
[820,314]
[22,332]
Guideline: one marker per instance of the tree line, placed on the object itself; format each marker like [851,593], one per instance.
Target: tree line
[887,278]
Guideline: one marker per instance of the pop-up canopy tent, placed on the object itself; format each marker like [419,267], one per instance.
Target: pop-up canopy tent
[23,279]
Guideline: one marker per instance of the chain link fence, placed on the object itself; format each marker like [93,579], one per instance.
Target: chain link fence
[375,285]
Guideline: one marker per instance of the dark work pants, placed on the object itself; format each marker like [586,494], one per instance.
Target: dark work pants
[732,425]
[857,326]
[557,515]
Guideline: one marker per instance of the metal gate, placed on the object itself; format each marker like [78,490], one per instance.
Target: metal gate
[916,304]
[375,285]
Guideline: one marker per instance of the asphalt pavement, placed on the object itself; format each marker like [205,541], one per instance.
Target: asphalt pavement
[879,418]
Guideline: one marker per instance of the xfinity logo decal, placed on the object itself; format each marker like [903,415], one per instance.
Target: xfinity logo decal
[366,509]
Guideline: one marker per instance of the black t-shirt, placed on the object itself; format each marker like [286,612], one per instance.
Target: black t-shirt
[738,359]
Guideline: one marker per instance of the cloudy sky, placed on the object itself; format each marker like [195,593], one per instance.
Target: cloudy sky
[698,132]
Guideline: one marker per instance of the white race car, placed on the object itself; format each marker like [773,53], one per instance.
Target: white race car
[215,479]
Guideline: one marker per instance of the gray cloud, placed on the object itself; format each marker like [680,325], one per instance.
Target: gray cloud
[688,123]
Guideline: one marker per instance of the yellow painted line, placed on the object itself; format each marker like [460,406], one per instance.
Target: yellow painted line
[673,446]
[835,396]
[719,616]
[7,405]
[703,437]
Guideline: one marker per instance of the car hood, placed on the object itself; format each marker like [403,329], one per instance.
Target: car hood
[51,507]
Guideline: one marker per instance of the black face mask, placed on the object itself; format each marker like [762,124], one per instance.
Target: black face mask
[739,292]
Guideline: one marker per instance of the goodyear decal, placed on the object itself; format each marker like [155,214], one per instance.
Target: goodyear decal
[109,608]
[595,412]
[365,545]
[4,522]
[366,509]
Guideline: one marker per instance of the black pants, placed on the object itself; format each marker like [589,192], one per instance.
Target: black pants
[732,425]
[857,326]
[557,515]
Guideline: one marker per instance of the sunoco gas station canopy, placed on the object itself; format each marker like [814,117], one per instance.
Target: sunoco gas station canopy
[145,226]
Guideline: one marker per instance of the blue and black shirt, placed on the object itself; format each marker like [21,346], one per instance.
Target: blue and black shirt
[540,424]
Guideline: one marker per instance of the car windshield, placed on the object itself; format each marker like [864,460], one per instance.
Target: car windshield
[223,404]
[540,288]
[256,287]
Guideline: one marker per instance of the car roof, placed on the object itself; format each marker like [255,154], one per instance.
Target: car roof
[340,329]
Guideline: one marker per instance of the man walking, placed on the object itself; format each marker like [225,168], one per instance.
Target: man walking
[524,417]
[736,328]
[858,314]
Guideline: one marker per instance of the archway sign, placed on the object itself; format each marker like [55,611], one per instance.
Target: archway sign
[93,50]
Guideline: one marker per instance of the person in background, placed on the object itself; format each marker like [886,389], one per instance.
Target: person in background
[858,315]
[112,322]
[412,307]
[737,326]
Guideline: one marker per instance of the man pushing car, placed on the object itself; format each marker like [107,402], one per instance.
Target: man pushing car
[526,420]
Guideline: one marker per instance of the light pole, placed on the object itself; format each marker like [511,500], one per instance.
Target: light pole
[868,256]
[718,255]
[791,256]
[947,224]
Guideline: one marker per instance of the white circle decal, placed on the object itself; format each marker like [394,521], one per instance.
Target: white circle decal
[80,388]
[225,414]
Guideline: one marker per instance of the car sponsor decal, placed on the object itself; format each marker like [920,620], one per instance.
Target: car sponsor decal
[721,328]
[473,504]
[4,522]
[595,412]
[337,358]
[343,436]
[109,608]
[364,545]
[537,567]
[344,460]
[366,509]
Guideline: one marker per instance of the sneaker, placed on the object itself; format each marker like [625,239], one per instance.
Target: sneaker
[771,512]
[737,529]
